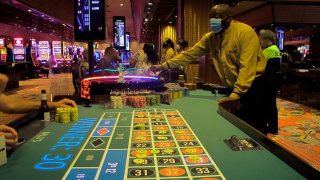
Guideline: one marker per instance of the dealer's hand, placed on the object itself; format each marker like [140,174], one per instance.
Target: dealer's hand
[231,103]
[156,68]
[10,135]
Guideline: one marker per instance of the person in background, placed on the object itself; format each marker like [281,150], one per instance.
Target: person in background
[75,73]
[145,58]
[9,48]
[267,42]
[239,63]
[168,53]
[110,57]
[271,77]
[182,45]
[83,63]
[14,105]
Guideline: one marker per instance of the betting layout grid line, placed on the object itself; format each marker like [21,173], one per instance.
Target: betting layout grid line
[84,145]
[107,148]
[141,171]
[92,171]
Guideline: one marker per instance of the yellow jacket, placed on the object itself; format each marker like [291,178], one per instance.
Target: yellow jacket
[168,54]
[237,56]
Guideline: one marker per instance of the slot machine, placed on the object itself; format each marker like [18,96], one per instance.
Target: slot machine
[33,53]
[3,51]
[57,52]
[19,51]
[43,52]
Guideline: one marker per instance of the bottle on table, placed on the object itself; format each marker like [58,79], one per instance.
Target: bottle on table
[44,108]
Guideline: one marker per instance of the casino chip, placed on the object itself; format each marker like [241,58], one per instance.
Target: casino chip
[191,151]
[141,151]
[155,151]
[140,138]
[180,132]
[140,126]
[194,158]
[168,151]
[138,161]
[163,132]
[161,138]
[141,156]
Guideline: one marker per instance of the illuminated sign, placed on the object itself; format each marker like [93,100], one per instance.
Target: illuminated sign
[18,42]
[89,20]
[1,42]
[119,32]
[33,42]
[56,44]
[43,44]
[127,41]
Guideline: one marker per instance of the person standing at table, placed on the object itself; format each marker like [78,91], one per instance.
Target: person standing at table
[272,76]
[168,53]
[238,60]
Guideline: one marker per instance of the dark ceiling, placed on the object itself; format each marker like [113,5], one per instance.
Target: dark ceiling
[21,16]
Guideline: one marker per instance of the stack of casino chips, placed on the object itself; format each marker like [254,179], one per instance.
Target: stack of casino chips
[153,100]
[116,102]
[65,115]
[176,90]
[165,97]
[137,101]
[190,86]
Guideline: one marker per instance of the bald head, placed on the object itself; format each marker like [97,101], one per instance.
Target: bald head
[220,11]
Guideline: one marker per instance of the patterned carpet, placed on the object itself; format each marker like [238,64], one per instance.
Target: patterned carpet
[299,131]
[299,125]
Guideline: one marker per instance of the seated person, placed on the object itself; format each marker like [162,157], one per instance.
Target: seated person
[109,59]
[10,104]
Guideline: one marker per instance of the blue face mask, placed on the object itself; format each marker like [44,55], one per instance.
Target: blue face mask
[215,25]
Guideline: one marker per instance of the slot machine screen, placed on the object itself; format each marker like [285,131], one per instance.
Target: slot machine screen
[18,50]
[89,20]
[119,32]
[127,41]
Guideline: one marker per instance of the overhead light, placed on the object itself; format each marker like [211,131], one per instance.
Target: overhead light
[63,25]
[50,18]
[148,12]
[291,29]
[29,10]
[121,4]
[170,22]
[17,17]
[149,8]
[176,16]
[150,3]
[146,19]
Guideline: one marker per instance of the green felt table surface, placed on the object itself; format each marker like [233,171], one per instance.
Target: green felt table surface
[199,110]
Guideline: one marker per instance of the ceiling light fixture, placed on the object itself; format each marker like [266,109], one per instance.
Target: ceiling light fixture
[150,3]
[170,22]
[146,19]
[121,4]
[29,10]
